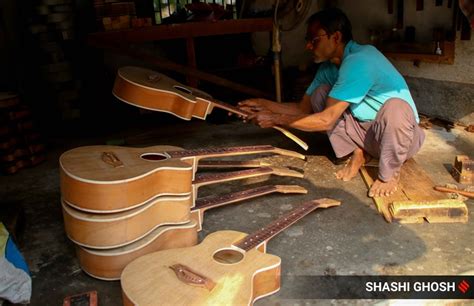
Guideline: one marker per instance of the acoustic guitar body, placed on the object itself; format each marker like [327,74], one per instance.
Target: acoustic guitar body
[113,230]
[155,91]
[106,179]
[108,264]
[232,276]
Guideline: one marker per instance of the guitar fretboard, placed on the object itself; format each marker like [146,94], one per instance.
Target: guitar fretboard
[271,230]
[202,178]
[231,164]
[221,151]
[210,202]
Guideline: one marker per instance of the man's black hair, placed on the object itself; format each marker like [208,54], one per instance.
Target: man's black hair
[332,20]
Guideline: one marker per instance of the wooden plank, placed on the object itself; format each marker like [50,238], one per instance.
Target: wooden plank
[369,174]
[415,185]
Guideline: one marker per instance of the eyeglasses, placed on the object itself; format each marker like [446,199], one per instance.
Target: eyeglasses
[315,39]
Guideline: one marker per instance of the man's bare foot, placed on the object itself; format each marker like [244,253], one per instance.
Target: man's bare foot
[351,169]
[384,189]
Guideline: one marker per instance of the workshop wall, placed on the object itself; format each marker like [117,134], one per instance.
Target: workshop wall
[440,90]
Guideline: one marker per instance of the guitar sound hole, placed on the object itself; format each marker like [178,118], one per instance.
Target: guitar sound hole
[185,90]
[153,156]
[228,256]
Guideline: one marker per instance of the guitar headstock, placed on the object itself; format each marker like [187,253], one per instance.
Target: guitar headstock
[282,171]
[290,189]
[289,153]
[326,202]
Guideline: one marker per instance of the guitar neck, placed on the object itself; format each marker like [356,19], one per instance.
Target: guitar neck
[235,110]
[202,179]
[233,151]
[228,107]
[219,104]
[219,164]
[216,201]
[255,239]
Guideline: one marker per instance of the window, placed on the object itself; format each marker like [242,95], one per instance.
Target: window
[165,8]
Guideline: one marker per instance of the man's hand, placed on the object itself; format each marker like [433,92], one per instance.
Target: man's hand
[250,106]
[253,105]
[264,118]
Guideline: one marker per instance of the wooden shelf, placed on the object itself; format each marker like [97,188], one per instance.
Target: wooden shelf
[183,30]
[120,40]
[409,55]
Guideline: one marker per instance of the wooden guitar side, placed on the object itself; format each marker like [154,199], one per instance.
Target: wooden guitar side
[149,280]
[106,179]
[116,229]
[155,91]
[90,184]
[108,264]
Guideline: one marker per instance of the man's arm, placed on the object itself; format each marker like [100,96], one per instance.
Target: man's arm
[291,108]
[322,121]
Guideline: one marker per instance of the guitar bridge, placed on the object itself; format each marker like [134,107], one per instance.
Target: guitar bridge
[188,276]
[111,159]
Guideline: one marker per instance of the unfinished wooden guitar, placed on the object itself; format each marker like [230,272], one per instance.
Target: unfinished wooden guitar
[155,91]
[105,179]
[116,229]
[227,268]
[107,264]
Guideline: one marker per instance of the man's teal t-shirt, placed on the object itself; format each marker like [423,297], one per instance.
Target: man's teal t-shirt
[365,79]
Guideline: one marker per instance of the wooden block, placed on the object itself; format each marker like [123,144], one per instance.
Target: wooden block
[440,211]
[463,170]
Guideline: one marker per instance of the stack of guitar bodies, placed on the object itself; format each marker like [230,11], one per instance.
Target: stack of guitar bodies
[121,203]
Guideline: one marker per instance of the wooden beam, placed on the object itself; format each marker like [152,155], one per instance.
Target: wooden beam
[390,6]
[190,50]
[419,5]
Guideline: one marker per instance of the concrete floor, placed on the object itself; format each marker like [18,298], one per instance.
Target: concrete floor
[352,239]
